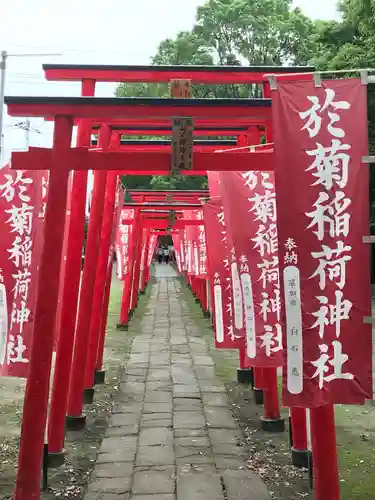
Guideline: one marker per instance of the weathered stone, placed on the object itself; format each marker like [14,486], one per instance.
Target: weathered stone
[155,455]
[192,441]
[114,444]
[156,436]
[188,420]
[124,430]
[134,408]
[120,419]
[243,484]
[199,487]
[114,470]
[154,482]
[221,436]
[158,496]
[157,408]
[110,485]
[220,417]
[158,397]
[116,456]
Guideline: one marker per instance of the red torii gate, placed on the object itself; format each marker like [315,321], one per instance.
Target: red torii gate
[62,159]
[58,161]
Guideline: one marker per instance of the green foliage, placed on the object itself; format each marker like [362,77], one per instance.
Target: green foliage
[261,32]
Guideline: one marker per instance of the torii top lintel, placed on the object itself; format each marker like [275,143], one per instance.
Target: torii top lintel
[124,107]
[163,74]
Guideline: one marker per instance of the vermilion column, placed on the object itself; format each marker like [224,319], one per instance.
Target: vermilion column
[99,372]
[145,266]
[37,387]
[72,276]
[105,242]
[324,453]
[76,386]
[127,290]
[300,452]
[137,267]
[103,321]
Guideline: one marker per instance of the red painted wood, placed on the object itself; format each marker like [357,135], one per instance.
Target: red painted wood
[104,108]
[100,279]
[150,74]
[82,336]
[142,163]
[64,351]
[37,387]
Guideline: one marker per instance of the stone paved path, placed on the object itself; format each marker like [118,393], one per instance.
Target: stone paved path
[172,435]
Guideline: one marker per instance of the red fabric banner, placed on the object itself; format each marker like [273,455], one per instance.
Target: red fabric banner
[123,242]
[151,248]
[214,185]
[250,204]
[21,229]
[219,274]
[323,214]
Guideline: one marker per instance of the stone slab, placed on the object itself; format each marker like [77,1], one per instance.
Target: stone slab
[154,482]
[243,484]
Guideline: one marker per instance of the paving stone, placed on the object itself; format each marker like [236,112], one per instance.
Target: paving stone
[116,456]
[159,496]
[215,399]
[124,430]
[110,485]
[164,386]
[120,419]
[195,469]
[154,482]
[221,436]
[155,455]
[110,444]
[188,420]
[113,470]
[183,404]
[193,455]
[199,487]
[196,441]
[165,422]
[156,436]
[127,408]
[229,462]
[205,372]
[190,432]
[203,361]
[243,484]
[157,408]
[132,387]
[226,449]
[220,417]
[158,397]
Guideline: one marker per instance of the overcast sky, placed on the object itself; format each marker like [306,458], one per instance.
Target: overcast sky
[91,32]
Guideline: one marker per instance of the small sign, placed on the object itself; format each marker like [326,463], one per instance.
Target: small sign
[181,88]
[182,144]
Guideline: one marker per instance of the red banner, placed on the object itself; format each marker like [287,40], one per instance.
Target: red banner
[21,228]
[250,204]
[220,276]
[151,248]
[323,210]
[214,185]
[123,239]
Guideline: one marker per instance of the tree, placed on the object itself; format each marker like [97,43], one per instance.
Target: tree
[260,32]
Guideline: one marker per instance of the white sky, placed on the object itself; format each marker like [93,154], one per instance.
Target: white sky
[91,32]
